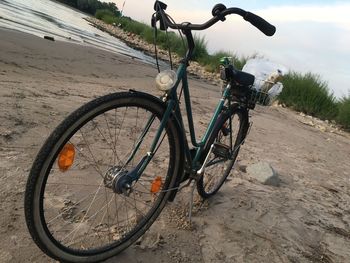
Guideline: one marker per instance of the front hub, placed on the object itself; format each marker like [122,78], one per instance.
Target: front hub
[117,179]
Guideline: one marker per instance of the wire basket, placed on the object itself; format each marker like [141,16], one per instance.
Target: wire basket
[261,95]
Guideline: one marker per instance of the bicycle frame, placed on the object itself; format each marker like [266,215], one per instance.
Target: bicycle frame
[173,106]
[182,75]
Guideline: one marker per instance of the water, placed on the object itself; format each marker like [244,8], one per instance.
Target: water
[46,17]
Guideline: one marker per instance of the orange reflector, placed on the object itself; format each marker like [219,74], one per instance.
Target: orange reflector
[66,157]
[156,185]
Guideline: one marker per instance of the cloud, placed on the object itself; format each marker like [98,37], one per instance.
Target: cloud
[336,14]
[328,13]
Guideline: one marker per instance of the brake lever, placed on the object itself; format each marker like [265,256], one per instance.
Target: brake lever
[158,17]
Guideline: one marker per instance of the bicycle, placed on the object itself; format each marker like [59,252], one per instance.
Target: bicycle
[106,172]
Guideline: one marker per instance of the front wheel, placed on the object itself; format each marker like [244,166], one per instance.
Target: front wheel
[224,144]
[72,211]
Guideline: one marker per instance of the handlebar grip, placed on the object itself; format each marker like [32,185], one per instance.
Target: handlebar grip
[260,23]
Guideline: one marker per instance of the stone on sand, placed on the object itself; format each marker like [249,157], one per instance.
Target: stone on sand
[264,173]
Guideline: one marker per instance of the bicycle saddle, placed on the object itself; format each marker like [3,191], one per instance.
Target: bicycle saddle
[240,77]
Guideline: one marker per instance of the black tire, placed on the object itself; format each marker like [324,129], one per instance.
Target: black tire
[73,216]
[218,167]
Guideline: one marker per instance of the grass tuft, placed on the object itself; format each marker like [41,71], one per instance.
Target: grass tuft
[343,117]
[309,94]
[106,15]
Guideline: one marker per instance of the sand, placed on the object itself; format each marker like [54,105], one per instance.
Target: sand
[306,219]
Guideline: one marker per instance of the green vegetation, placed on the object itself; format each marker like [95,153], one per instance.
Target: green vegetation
[91,6]
[212,62]
[200,52]
[309,94]
[343,117]
[172,41]
[105,15]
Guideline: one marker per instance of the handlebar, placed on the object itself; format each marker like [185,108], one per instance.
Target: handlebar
[260,24]
[220,15]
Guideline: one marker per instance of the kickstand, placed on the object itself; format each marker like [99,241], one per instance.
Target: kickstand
[191,203]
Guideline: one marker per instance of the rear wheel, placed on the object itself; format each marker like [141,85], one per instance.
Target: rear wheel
[72,211]
[224,144]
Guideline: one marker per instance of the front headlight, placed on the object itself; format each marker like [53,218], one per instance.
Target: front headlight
[165,80]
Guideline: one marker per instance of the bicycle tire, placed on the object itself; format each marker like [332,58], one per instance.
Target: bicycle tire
[48,187]
[212,180]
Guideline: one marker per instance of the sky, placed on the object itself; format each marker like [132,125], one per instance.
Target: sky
[312,36]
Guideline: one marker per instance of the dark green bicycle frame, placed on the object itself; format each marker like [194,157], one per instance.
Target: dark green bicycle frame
[173,108]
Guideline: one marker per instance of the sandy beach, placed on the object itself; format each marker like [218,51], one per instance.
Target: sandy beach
[305,219]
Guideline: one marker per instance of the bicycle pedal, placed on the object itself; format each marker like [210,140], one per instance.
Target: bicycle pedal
[221,150]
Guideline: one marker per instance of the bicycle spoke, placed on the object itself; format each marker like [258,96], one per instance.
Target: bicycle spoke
[104,137]
[92,155]
[113,145]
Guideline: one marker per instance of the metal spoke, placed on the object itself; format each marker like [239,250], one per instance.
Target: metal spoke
[80,224]
[104,137]
[93,156]
[79,202]
[137,210]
